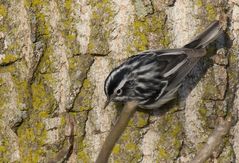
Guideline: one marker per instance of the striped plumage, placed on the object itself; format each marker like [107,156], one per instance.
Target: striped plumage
[153,77]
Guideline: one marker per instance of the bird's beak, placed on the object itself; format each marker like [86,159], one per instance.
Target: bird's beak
[109,99]
[106,103]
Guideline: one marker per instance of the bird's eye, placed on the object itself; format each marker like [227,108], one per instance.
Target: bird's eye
[119,92]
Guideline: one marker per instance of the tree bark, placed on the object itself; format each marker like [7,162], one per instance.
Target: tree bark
[55,56]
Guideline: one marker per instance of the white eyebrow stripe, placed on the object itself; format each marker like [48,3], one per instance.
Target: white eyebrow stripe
[121,84]
[170,72]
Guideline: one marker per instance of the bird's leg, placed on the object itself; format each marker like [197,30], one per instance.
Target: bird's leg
[115,133]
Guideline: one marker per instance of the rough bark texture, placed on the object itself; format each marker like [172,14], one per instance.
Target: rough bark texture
[55,56]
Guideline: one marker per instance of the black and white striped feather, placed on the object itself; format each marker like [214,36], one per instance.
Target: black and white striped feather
[153,77]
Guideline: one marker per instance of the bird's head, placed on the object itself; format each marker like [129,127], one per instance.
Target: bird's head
[119,85]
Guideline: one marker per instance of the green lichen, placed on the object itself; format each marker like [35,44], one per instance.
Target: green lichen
[8,59]
[169,143]
[130,147]
[211,12]
[162,153]
[199,3]
[140,119]
[42,98]
[202,111]
[141,31]
[101,17]
[23,94]
[68,4]
[36,3]
[127,146]
[81,154]
[227,153]
[69,30]
[210,89]
[5,146]
[10,69]
[116,149]
[47,64]
[43,27]
[19,86]
[32,138]
[83,101]
[232,74]
[2,149]
[141,9]
[3,10]
[4,25]
[43,114]
[63,121]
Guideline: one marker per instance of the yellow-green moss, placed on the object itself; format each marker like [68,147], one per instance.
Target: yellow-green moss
[3,10]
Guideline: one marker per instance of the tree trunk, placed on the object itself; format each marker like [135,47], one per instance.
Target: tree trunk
[55,56]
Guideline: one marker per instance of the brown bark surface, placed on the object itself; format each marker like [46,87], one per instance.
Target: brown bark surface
[55,56]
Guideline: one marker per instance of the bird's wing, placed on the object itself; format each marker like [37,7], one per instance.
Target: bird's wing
[179,63]
[162,70]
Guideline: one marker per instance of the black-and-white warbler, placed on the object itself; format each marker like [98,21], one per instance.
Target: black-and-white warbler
[153,77]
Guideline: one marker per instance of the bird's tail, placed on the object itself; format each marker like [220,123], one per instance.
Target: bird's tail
[211,33]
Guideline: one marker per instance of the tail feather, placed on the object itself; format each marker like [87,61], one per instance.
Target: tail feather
[211,33]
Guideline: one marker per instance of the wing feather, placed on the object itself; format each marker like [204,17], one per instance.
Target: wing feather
[159,71]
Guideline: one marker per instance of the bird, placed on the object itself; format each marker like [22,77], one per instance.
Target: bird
[153,77]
